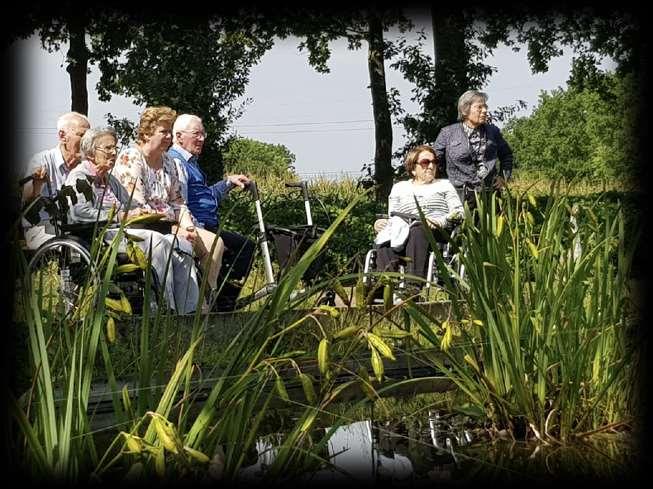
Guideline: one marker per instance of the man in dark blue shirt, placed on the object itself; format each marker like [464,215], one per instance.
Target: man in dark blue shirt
[203,200]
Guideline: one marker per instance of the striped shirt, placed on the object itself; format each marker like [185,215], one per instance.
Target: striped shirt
[438,200]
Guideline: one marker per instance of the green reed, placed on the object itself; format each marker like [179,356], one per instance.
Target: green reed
[539,335]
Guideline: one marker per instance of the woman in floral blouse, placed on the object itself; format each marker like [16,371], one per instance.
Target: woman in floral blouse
[146,170]
[174,270]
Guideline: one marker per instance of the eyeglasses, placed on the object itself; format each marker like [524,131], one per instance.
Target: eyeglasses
[107,149]
[426,162]
[197,134]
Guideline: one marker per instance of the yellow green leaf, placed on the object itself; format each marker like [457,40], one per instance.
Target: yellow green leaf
[126,400]
[380,345]
[144,219]
[307,385]
[499,229]
[281,389]
[308,422]
[445,342]
[134,443]
[323,356]
[127,268]
[388,293]
[365,384]
[166,433]
[330,310]
[468,359]
[532,248]
[197,455]
[529,218]
[377,364]
[340,291]
[346,332]
[115,304]
[111,330]
[126,305]
[359,294]
[136,255]
[531,199]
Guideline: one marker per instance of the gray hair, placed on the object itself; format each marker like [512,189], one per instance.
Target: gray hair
[69,119]
[87,144]
[465,102]
[182,122]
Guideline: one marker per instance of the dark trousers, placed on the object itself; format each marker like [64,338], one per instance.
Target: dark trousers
[468,193]
[238,254]
[417,249]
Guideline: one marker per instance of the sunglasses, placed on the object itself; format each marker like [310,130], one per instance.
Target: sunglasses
[426,162]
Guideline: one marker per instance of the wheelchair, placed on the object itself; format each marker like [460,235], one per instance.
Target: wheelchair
[448,250]
[62,271]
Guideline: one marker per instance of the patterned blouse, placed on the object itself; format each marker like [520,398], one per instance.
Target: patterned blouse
[477,144]
[158,190]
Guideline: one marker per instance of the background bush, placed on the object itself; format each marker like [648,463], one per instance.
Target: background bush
[579,132]
[257,159]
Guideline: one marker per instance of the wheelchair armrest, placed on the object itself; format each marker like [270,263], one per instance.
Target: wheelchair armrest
[82,227]
[281,230]
[407,217]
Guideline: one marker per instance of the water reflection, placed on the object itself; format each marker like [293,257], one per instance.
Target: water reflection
[374,451]
[447,448]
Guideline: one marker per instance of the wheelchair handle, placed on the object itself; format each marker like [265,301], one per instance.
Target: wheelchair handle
[301,185]
[251,187]
[26,179]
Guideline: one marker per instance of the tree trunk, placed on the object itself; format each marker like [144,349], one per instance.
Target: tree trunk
[383,171]
[77,65]
[451,60]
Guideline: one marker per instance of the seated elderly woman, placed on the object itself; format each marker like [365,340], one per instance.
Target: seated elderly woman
[98,148]
[147,171]
[437,199]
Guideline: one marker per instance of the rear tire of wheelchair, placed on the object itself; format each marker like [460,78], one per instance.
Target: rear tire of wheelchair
[60,273]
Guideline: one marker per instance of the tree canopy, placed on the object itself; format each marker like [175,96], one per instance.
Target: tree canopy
[257,159]
[579,132]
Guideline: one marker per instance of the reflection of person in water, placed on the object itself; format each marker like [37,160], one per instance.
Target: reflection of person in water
[390,463]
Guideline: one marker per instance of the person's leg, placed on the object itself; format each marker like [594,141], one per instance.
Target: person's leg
[417,249]
[238,255]
[387,259]
[186,283]
[161,260]
[211,255]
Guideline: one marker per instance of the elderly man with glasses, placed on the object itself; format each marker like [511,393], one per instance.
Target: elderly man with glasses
[203,201]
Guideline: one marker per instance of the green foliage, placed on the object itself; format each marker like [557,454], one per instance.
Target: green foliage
[257,159]
[579,133]
[285,208]
[543,339]
[206,64]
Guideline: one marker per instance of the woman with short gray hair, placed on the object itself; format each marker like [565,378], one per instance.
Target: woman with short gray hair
[176,274]
[473,152]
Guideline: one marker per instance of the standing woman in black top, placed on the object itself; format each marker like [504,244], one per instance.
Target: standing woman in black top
[474,154]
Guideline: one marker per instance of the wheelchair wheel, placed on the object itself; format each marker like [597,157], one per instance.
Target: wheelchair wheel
[62,276]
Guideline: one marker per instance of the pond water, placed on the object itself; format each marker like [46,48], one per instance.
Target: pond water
[447,449]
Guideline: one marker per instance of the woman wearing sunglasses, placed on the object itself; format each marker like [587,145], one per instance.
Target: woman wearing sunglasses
[438,200]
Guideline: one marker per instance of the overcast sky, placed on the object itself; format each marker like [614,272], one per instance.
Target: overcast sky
[324,119]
